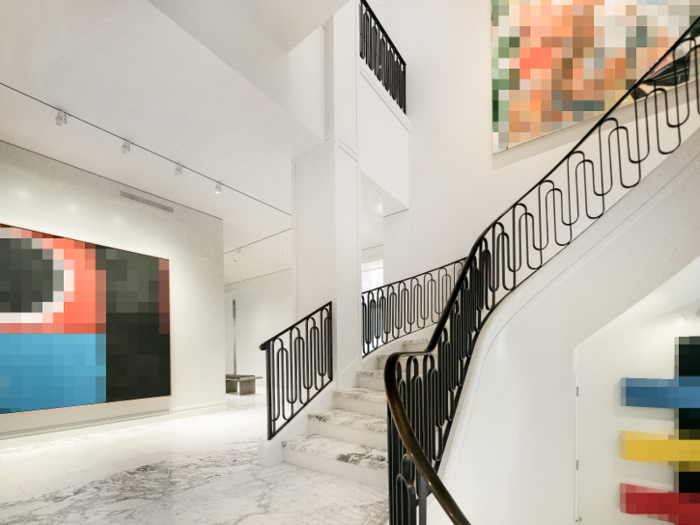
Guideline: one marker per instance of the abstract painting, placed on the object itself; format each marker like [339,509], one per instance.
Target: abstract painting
[559,62]
[681,450]
[80,323]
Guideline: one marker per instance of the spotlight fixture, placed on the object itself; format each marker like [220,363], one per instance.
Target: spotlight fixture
[61,118]
[126,147]
[217,188]
[178,169]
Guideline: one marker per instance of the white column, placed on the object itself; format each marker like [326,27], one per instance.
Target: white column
[327,204]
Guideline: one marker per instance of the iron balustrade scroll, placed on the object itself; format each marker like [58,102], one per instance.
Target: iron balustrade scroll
[625,145]
[401,308]
[299,364]
[381,56]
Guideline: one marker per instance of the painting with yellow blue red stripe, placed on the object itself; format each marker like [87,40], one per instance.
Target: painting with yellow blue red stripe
[80,323]
[680,450]
[559,62]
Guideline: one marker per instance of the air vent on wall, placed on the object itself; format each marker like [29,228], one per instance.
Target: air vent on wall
[136,198]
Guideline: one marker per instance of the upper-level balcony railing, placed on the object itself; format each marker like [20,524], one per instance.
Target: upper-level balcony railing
[381,56]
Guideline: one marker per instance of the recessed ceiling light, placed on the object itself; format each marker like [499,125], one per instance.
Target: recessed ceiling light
[217,188]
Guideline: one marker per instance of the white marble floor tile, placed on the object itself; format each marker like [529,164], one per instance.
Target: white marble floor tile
[116,453]
[19,464]
[303,496]
[31,475]
[75,464]
[11,493]
[200,470]
[96,471]
[68,451]
[146,459]
[49,484]
[153,446]
[161,513]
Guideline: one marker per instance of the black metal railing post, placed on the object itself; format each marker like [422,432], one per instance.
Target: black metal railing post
[268,382]
[381,56]
[423,388]
[299,364]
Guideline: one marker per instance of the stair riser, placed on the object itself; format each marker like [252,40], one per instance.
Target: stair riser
[358,405]
[381,362]
[352,435]
[366,476]
[371,382]
[414,347]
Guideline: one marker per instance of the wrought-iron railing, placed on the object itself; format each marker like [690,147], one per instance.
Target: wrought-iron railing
[299,364]
[423,389]
[401,308]
[381,55]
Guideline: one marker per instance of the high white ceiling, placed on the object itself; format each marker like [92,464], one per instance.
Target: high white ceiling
[130,69]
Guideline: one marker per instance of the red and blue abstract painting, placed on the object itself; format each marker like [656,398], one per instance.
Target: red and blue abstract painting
[80,323]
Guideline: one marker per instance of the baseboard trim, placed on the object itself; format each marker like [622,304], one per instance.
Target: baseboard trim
[55,432]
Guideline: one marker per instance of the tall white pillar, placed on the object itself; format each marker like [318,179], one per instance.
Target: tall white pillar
[327,204]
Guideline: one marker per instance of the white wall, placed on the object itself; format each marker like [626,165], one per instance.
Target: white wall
[446,46]
[383,134]
[264,307]
[514,437]
[292,78]
[645,350]
[44,195]
[640,343]
[306,78]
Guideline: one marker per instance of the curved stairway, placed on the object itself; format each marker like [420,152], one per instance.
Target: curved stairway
[350,439]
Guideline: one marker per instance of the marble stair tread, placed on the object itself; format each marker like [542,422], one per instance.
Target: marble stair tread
[371,373]
[342,451]
[408,346]
[362,394]
[346,418]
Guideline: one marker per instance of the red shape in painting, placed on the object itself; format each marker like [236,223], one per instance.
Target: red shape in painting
[673,507]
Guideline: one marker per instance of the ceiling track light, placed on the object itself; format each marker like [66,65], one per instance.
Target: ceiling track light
[217,188]
[61,118]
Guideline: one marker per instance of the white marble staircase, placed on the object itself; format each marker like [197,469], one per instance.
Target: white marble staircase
[350,440]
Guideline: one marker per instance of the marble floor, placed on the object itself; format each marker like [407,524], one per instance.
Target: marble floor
[199,470]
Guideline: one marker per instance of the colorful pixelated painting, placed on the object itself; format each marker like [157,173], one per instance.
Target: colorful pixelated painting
[681,450]
[80,323]
[559,62]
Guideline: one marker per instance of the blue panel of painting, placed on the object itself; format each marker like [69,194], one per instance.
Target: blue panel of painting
[680,392]
[39,371]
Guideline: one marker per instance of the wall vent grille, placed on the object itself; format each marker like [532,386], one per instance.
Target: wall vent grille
[136,198]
